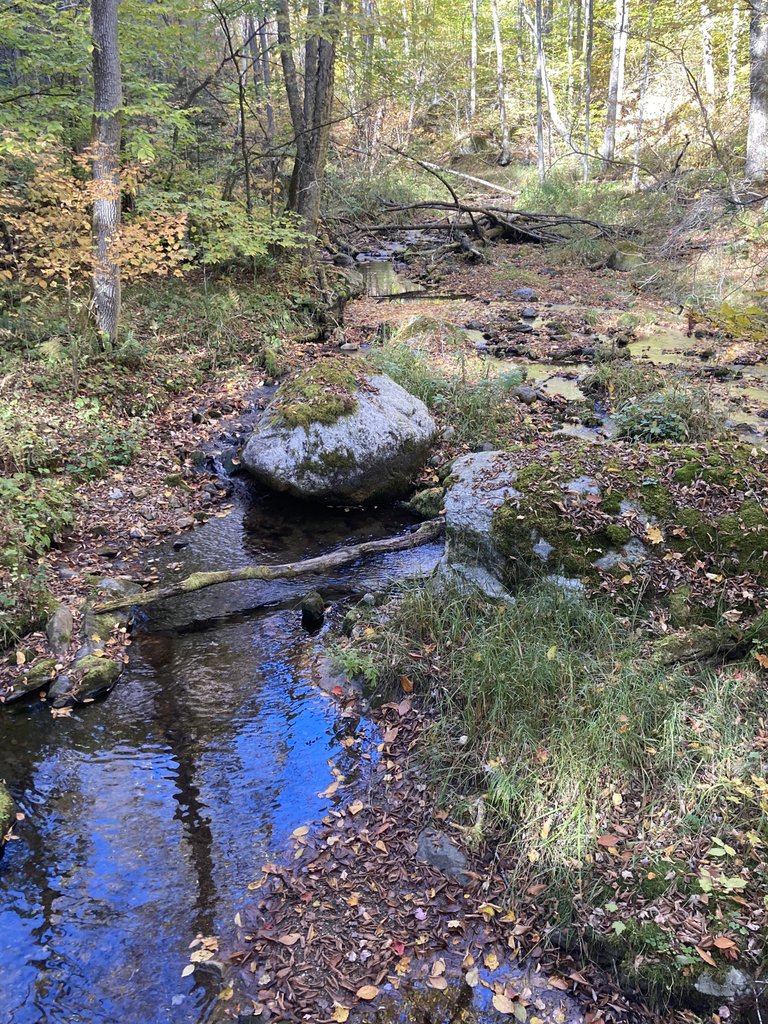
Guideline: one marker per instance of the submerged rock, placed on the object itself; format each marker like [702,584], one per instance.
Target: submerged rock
[312,608]
[340,436]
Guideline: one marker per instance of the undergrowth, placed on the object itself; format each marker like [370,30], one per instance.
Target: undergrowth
[550,712]
[475,409]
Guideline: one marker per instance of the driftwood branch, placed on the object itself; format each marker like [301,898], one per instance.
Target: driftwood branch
[427,532]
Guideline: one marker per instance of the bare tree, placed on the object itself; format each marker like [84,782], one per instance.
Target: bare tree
[615,81]
[505,156]
[107,113]
[539,37]
[310,112]
[757,135]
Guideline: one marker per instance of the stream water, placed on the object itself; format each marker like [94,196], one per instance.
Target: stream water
[148,814]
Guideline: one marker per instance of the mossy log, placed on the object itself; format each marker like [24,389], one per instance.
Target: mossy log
[427,532]
[707,641]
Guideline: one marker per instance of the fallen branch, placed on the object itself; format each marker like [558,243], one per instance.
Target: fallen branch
[427,532]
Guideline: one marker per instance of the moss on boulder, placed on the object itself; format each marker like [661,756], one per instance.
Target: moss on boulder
[575,509]
[7,813]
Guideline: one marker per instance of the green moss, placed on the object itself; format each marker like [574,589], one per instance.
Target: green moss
[7,812]
[611,503]
[427,503]
[618,535]
[323,393]
[655,499]
[328,463]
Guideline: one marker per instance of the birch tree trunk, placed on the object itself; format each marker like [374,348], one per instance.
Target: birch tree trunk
[473,65]
[589,37]
[641,102]
[707,56]
[539,38]
[733,48]
[616,81]
[505,156]
[757,136]
[107,110]
[571,23]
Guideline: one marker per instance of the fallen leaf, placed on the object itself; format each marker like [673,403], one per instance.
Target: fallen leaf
[608,840]
[503,1003]
[438,983]
[406,684]
[557,982]
[491,961]
[288,940]
[356,807]
[472,977]
[706,957]
[723,942]
[340,1014]
[189,969]
[367,992]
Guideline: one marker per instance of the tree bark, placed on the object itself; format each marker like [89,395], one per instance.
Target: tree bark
[616,81]
[505,156]
[427,532]
[473,65]
[589,34]
[707,56]
[733,48]
[641,100]
[107,110]
[757,135]
[310,113]
[539,39]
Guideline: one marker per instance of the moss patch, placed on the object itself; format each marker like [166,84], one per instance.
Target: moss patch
[7,812]
[323,393]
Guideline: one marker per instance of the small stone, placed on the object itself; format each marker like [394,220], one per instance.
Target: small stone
[734,985]
[108,551]
[436,849]
[116,494]
[185,522]
[528,313]
[526,394]
[525,295]
[312,611]
[349,346]
[140,492]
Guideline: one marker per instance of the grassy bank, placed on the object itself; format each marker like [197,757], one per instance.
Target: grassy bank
[627,801]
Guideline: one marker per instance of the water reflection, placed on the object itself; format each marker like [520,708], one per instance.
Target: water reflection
[149,813]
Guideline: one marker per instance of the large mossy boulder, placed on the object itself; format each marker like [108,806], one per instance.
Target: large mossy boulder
[337,433]
[666,520]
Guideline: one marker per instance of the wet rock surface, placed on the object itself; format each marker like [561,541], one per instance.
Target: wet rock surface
[7,813]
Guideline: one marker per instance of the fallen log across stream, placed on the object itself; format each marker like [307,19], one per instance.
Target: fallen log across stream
[427,532]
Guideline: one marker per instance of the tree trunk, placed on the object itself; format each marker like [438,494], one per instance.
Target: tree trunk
[641,101]
[539,39]
[733,49]
[310,114]
[505,156]
[616,81]
[757,135]
[571,26]
[707,56]
[473,65]
[589,35]
[107,109]
[427,532]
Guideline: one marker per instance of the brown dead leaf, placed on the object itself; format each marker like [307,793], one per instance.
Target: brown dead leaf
[367,992]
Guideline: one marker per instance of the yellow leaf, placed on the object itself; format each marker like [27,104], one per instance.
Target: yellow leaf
[491,961]
[654,534]
[406,684]
[340,1014]
[21,658]
[617,799]
[356,807]
[552,653]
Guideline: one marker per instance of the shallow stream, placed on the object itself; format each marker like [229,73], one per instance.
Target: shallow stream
[147,814]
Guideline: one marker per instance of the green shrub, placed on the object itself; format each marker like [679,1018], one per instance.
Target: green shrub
[621,381]
[669,416]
